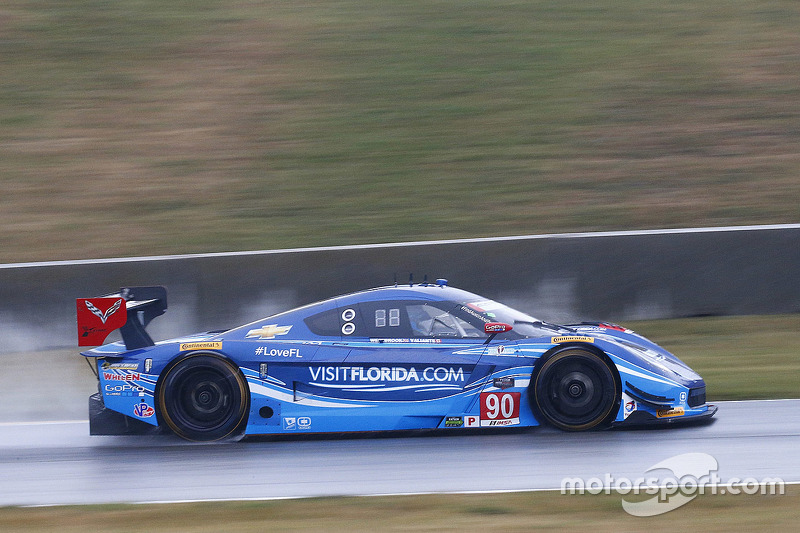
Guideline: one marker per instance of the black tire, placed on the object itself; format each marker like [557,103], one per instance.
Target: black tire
[576,390]
[204,397]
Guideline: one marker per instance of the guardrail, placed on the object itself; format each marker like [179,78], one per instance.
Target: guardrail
[614,276]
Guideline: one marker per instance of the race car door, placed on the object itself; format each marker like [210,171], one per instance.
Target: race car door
[416,361]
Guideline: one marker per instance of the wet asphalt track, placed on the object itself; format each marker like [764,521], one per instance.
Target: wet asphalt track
[46,463]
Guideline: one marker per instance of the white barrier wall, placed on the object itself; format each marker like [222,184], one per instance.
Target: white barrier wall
[594,276]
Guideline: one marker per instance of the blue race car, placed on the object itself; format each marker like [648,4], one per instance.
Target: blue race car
[415,356]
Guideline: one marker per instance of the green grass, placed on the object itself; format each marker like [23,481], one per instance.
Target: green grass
[140,127]
[542,511]
[740,358]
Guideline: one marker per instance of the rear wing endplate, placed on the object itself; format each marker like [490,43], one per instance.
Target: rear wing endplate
[130,310]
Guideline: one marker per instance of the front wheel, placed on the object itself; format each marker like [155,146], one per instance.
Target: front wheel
[203,397]
[575,389]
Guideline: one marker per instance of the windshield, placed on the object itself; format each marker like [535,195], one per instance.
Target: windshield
[524,324]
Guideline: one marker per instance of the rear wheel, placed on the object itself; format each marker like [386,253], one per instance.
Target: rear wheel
[204,397]
[575,389]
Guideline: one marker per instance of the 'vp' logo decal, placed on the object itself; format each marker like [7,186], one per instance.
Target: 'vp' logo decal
[142,410]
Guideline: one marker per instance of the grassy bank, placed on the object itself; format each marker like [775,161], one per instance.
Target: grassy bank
[139,128]
[538,511]
[741,358]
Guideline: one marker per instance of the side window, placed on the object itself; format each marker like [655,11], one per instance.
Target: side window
[325,323]
[353,322]
[345,321]
[430,321]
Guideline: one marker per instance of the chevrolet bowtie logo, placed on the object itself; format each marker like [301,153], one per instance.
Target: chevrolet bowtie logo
[268,332]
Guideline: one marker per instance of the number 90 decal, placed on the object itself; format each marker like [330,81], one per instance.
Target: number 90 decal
[500,409]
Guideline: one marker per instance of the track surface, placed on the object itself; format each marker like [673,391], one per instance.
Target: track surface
[46,463]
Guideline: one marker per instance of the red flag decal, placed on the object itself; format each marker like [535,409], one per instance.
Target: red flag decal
[97,317]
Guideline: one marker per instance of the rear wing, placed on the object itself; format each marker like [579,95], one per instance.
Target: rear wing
[130,310]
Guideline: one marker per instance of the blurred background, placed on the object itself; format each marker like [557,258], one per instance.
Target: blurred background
[148,127]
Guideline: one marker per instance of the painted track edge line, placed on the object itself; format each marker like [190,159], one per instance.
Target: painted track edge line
[383,495]
[544,236]
[42,423]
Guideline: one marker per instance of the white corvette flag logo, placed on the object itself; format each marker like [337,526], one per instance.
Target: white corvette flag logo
[101,315]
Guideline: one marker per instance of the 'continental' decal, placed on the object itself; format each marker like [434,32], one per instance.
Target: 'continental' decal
[559,340]
[667,413]
[186,346]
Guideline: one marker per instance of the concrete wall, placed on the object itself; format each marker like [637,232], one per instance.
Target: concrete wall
[604,276]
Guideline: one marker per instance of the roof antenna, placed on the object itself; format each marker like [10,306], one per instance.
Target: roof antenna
[425,281]
[395,279]
[410,279]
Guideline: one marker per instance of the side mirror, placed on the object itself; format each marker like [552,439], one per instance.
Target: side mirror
[493,328]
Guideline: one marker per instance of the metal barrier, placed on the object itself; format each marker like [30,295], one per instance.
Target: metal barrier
[614,276]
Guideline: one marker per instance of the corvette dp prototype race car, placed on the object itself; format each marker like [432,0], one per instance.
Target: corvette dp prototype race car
[415,356]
